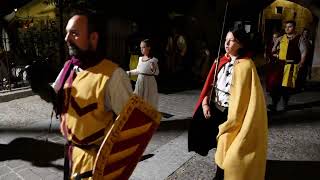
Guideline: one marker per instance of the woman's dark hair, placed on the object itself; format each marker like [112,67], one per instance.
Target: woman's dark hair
[148,44]
[243,39]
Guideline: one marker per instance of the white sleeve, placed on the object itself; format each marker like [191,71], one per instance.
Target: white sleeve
[135,71]
[155,62]
[302,46]
[276,44]
[54,85]
[118,91]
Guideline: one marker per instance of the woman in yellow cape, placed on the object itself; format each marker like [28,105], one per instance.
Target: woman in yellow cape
[236,115]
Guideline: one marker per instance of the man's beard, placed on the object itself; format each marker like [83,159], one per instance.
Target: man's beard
[86,57]
[75,51]
[289,32]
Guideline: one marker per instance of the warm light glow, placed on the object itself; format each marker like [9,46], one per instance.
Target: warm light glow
[15,10]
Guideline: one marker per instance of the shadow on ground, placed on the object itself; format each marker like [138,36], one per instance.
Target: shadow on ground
[39,153]
[298,113]
[304,106]
[312,86]
[174,125]
[166,115]
[292,170]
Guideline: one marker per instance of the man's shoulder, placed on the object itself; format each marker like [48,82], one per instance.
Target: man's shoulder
[119,71]
[105,67]
[108,61]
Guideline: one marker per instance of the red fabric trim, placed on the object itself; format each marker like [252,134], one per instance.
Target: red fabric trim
[82,111]
[208,84]
[88,139]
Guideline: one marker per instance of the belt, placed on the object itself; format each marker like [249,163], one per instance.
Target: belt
[86,147]
[289,61]
[87,174]
[147,74]
[220,108]
[217,106]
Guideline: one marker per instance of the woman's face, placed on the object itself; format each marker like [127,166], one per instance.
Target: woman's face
[144,49]
[231,44]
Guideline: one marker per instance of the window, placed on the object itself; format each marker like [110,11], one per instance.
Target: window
[279,10]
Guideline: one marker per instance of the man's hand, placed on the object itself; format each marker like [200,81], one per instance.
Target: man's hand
[152,67]
[39,75]
[63,126]
[301,64]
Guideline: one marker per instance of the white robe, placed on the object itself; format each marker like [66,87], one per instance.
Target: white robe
[146,85]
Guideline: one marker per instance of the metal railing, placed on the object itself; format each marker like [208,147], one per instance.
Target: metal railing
[30,42]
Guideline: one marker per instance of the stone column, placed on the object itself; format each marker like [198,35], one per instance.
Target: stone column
[316,56]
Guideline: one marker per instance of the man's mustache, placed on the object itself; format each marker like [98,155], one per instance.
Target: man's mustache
[75,51]
[73,47]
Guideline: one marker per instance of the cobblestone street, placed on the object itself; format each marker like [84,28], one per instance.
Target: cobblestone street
[30,152]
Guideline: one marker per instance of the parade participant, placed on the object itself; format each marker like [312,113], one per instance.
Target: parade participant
[231,115]
[176,50]
[146,85]
[305,70]
[133,51]
[274,68]
[291,51]
[91,91]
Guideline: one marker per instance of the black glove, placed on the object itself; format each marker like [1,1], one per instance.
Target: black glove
[39,75]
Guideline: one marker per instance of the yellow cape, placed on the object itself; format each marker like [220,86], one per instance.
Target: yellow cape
[242,139]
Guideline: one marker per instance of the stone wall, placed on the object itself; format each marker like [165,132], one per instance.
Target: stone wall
[316,57]
[304,19]
[291,11]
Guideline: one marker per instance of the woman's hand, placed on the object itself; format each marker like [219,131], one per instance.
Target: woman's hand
[206,111]
[206,108]
[152,67]
[128,73]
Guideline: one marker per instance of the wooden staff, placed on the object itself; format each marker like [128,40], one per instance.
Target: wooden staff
[218,60]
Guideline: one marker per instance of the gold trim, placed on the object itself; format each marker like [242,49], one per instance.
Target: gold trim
[122,154]
[134,132]
[114,174]
[103,156]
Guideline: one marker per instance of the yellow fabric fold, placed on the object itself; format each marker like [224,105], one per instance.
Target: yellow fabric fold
[82,160]
[134,59]
[89,128]
[284,43]
[242,139]
[290,75]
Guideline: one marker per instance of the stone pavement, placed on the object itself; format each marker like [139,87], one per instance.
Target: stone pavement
[294,141]
[28,151]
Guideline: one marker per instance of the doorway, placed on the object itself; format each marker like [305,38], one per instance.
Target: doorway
[272,26]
